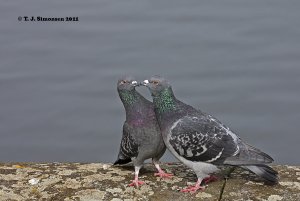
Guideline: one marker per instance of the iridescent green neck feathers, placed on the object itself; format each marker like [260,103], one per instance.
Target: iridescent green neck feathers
[164,101]
[128,97]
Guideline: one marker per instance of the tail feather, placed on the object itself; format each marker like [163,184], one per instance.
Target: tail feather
[248,155]
[258,154]
[267,173]
[122,161]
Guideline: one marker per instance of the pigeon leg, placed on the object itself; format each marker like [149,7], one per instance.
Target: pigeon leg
[136,182]
[193,189]
[161,173]
[211,178]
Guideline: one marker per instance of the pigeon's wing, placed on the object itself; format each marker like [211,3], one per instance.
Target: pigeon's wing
[128,146]
[202,139]
[248,155]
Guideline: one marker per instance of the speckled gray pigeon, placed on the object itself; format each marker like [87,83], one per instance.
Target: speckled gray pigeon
[200,141]
[141,138]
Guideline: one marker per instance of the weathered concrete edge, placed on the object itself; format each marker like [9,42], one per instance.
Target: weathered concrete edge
[99,181]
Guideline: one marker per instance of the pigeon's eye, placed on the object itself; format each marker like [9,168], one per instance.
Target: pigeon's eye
[155,82]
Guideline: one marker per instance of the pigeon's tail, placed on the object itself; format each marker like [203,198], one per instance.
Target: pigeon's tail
[122,161]
[258,155]
[265,172]
[248,155]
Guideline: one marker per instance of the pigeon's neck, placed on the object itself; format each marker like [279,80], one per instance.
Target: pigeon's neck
[129,98]
[136,107]
[165,101]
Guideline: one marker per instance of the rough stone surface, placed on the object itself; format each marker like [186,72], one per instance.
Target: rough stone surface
[97,181]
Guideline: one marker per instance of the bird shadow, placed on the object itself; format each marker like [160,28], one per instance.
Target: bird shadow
[130,167]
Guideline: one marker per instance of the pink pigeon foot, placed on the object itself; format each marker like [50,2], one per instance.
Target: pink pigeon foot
[209,179]
[162,174]
[193,189]
[136,183]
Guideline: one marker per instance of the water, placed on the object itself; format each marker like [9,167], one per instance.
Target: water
[238,60]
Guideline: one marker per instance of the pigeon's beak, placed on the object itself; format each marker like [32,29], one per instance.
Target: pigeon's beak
[135,83]
[145,82]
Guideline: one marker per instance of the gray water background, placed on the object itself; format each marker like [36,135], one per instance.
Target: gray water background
[237,60]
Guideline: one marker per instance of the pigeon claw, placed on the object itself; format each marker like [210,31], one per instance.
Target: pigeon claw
[192,189]
[136,183]
[209,179]
[164,175]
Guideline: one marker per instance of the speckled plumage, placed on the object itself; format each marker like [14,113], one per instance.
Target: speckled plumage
[201,141]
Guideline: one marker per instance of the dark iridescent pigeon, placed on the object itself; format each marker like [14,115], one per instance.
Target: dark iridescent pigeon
[141,138]
[200,141]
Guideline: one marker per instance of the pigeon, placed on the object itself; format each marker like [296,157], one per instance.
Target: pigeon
[200,141]
[141,138]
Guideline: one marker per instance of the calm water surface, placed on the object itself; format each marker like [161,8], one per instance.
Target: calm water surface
[238,60]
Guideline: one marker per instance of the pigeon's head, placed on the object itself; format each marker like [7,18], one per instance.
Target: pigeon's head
[127,83]
[156,84]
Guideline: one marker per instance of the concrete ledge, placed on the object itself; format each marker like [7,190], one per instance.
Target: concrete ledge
[98,181]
